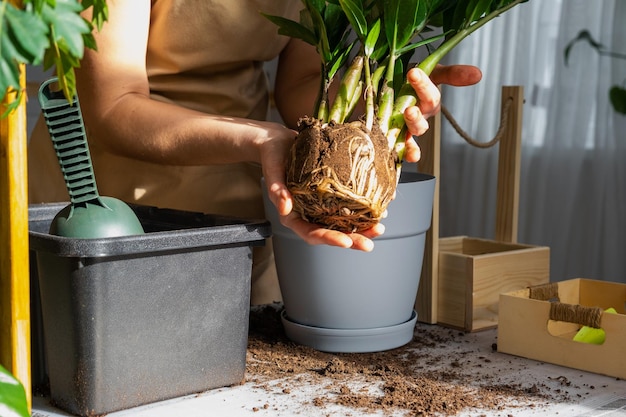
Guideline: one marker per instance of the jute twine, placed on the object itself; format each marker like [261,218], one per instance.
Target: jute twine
[504,118]
[545,292]
[575,313]
[571,313]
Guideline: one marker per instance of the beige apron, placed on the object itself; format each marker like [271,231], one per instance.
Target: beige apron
[206,55]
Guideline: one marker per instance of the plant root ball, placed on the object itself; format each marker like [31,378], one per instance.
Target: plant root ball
[341,176]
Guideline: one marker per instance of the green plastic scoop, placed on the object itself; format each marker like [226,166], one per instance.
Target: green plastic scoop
[88,215]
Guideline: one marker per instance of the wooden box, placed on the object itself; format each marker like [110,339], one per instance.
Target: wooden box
[539,324]
[474,272]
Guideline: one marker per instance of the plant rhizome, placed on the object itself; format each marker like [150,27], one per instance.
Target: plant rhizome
[343,170]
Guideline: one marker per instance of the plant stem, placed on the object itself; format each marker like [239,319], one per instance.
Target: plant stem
[387,94]
[407,97]
[369,96]
[350,83]
[321,103]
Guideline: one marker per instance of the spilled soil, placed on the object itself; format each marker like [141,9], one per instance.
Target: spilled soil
[419,379]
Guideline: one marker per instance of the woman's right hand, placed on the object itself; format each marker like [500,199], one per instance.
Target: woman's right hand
[274,152]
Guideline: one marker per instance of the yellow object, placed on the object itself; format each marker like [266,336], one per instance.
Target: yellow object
[14,263]
[592,335]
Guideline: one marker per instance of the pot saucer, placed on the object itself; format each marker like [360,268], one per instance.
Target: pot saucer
[350,340]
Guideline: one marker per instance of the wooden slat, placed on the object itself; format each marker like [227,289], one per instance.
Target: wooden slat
[14,265]
[426,302]
[509,167]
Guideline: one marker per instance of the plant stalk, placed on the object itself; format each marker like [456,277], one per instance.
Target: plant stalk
[321,103]
[407,97]
[369,96]
[350,83]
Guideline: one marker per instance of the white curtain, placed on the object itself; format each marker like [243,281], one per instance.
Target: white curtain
[573,186]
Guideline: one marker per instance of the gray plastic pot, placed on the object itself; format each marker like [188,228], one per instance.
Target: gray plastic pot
[342,300]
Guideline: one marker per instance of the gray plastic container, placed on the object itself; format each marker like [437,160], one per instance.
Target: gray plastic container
[137,319]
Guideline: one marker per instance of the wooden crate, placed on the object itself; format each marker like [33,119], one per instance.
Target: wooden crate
[462,277]
[474,272]
[539,324]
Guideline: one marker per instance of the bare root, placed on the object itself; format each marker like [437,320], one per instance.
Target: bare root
[340,178]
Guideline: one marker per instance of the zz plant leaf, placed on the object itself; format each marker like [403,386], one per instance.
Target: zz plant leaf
[323,25]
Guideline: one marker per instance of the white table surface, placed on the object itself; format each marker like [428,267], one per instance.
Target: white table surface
[572,393]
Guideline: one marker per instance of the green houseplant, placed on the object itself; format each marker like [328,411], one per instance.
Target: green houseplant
[12,396]
[343,174]
[48,33]
[51,33]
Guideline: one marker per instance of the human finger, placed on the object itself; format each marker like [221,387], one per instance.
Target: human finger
[315,235]
[456,75]
[415,120]
[412,151]
[428,95]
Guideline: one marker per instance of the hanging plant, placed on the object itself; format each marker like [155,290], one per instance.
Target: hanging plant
[51,33]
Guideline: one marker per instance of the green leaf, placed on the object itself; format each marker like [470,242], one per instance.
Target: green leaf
[37,5]
[323,46]
[398,77]
[476,9]
[293,29]
[403,18]
[617,95]
[412,18]
[335,22]
[67,25]
[372,38]
[412,46]
[23,38]
[90,41]
[65,63]
[26,32]
[354,12]
[51,31]
[439,6]
[390,18]
[100,12]
[380,50]
[12,396]
[318,5]
[338,60]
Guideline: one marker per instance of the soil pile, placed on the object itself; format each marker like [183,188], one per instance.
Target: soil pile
[419,379]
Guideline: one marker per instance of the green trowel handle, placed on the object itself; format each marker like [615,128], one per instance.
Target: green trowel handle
[88,215]
[67,130]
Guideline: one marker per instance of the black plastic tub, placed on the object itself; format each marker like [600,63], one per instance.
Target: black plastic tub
[137,319]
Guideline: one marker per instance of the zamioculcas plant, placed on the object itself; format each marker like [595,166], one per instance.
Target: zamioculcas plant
[48,32]
[343,174]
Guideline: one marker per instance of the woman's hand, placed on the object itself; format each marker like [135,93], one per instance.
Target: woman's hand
[429,99]
[274,152]
[275,148]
